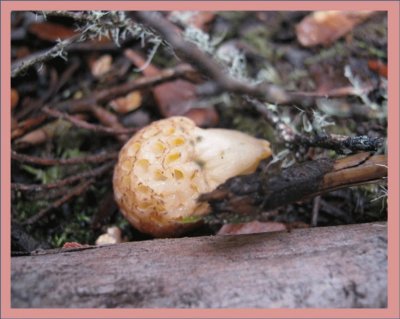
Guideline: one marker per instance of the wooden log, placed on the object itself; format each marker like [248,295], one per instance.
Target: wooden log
[342,266]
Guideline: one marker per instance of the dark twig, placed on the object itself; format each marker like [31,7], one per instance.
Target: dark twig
[76,191]
[97,158]
[110,120]
[83,124]
[66,181]
[341,144]
[42,56]
[221,80]
[248,196]
[52,91]
[77,16]
[106,95]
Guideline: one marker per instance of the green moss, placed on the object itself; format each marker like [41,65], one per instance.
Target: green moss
[258,39]
[336,51]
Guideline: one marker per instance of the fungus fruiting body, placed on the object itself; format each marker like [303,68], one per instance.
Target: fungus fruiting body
[162,170]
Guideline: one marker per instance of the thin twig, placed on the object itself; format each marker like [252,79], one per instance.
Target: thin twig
[76,191]
[106,95]
[221,80]
[41,56]
[52,91]
[97,158]
[77,16]
[110,120]
[83,124]
[341,144]
[66,181]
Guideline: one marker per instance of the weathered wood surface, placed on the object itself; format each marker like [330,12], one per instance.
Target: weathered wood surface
[342,266]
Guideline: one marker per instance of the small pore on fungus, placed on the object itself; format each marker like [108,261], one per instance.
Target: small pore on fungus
[178,174]
[178,141]
[159,147]
[159,175]
[172,157]
[166,166]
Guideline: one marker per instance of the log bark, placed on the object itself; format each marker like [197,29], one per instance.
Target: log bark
[342,266]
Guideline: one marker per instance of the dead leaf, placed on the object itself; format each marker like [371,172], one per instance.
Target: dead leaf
[172,97]
[14,98]
[325,27]
[203,117]
[251,228]
[127,103]
[101,66]
[22,52]
[46,132]
[27,125]
[51,31]
[378,67]
[73,244]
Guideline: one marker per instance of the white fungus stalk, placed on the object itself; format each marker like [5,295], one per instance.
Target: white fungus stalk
[164,168]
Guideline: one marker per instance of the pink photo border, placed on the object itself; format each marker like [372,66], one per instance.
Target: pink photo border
[393,8]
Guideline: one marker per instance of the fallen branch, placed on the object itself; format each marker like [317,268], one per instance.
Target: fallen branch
[247,197]
[322,267]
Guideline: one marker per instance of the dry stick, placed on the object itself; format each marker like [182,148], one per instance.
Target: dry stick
[97,158]
[41,56]
[76,191]
[66,181]
[83,124]
[110,120]
[223,82]
[339,143]
[106,95]
[65,76]
[249,196]
[77,16]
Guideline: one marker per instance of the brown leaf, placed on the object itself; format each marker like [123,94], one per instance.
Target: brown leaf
[22,52]
[51,31]
[251,228]
[45,132]
[172,97]
[27,125]
[325,27]
[203,117]
[74,244]
[14,98]
[127,103]
[101,66]
[378,67]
